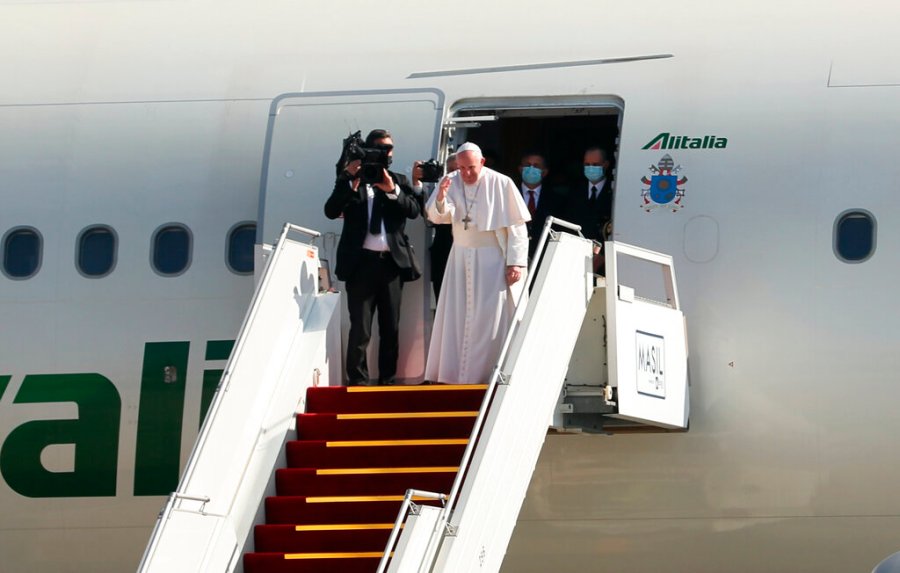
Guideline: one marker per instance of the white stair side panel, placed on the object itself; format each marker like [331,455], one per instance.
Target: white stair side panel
[414,539]
[517,425]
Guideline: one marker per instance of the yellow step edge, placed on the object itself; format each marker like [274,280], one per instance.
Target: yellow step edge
[345,526]
[365,443]
[364,471]
[398,415]
[366,554]
[415,388]
[358,498]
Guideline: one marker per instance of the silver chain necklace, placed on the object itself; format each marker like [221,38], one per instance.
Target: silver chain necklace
[467,219]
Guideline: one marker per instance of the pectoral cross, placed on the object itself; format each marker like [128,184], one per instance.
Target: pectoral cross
[466,222]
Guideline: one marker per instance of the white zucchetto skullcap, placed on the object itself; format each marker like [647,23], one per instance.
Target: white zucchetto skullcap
[468,146]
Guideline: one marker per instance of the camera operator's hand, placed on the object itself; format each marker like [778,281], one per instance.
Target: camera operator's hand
[416,173]
[351,173]
[352,168]
[442,189]
[387,183]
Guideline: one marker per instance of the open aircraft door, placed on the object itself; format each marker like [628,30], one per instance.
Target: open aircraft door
[647,342]
[303,143]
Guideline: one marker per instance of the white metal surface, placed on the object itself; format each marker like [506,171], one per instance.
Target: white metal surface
[408,555]
[282,345]
[490,499]
[647,345]
[414,541]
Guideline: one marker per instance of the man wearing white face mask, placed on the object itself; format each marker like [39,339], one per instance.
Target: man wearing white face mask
[590,200]
[541,200]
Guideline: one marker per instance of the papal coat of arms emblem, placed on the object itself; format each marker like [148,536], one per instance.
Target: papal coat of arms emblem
[664,187]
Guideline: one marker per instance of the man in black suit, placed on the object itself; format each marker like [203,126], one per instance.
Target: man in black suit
[591,200]
[542,201]
[370,254]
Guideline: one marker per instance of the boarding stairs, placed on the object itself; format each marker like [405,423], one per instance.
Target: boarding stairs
[358,451]
[401,479]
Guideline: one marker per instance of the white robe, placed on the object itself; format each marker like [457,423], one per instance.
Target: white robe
[476,307]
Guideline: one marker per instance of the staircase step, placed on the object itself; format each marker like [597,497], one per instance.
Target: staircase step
[318,538]
[374,453]
[386,427]
[299,510]
[359,399]
[365,562]
[363,481]
[358,451]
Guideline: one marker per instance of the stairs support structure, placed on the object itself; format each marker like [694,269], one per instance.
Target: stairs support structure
[474,528]
[287,343]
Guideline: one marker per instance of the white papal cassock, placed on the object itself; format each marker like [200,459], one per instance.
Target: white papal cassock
[476,306]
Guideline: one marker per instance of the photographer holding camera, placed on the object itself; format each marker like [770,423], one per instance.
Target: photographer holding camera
[373,254]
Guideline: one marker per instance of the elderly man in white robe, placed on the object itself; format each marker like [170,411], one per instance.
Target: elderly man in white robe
[485,271]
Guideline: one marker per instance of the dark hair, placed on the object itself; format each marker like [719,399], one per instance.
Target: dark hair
[597,148]
[375,135]
[530,152]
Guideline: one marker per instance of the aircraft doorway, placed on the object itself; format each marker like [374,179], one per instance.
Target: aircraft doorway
[558,129]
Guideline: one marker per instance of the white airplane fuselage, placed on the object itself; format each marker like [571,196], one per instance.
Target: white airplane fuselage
[781,116]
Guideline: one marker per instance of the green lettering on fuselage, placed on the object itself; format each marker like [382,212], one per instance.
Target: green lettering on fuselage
[158,448]
[215,350]
[4,382]
[95,434]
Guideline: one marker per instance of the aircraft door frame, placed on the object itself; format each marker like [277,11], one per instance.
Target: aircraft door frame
[303,141]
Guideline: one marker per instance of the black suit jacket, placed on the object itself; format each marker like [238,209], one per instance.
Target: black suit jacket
[550,203]
[354,205]
[592,216]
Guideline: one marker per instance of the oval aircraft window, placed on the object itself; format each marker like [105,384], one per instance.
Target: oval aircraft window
[854,236]
[240,248]
[21,253]
[171,250]
[96,251]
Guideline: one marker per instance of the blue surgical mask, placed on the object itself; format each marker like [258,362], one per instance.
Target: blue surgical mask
[531,175]
[594,173]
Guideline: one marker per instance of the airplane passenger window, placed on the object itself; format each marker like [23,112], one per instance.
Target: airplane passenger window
[96,254]
[21,253]
[854,236]
[171,250]
[239,256]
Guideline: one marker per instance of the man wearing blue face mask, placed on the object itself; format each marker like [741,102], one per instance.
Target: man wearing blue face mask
[542,201]
[590,201]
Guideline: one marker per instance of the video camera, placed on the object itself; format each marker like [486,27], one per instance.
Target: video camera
[432,171]
[374,159]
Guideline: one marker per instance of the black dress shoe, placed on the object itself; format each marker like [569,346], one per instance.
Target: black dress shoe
[385,382]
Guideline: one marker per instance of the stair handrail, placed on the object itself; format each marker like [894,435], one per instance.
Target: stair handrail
[235,354]
[496,375]
[398,523]
[216,404]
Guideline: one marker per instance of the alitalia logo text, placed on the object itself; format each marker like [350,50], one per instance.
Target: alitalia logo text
[668,141]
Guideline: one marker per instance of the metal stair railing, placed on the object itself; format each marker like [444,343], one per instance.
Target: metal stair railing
[497,377]
[281,343]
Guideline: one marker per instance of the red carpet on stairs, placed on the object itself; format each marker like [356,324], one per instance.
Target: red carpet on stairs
[357,451]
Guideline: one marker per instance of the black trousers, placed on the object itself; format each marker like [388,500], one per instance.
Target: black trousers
[374,286]
[440,252]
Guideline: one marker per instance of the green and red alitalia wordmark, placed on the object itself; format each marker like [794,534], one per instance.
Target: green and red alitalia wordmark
[95,432]
[668,141]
